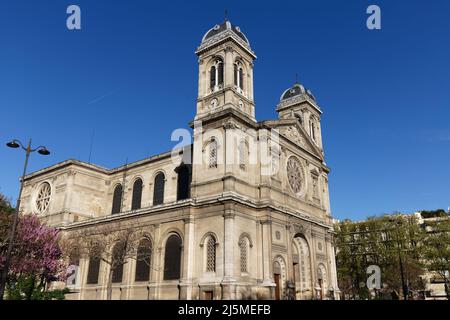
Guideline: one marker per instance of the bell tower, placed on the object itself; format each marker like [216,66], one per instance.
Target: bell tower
[225,79]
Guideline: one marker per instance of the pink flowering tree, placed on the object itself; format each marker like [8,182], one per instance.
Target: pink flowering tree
[36,260]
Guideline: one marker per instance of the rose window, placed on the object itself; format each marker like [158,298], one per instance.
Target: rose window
[43,198]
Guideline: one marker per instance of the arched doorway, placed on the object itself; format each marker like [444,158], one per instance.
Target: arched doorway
[279,277]
[302,268]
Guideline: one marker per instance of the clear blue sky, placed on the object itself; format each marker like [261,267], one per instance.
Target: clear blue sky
[131,74]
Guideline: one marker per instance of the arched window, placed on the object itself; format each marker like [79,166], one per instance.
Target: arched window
[212,73]
[238,75]
[172,258]
[213,154]
[211,254]
[117,199]
[143,260]
[94,267]
[243,247]
[117,261]
[184,182]
[158,190]
[216,74]
[312,126]
[137,195]
[242,150]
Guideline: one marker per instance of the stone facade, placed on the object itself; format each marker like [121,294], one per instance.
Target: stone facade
[255,222]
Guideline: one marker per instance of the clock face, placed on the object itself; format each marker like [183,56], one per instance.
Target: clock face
[295,174]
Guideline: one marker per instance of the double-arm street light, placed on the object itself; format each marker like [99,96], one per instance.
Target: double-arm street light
[12,231]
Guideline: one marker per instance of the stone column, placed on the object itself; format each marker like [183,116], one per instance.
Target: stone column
[229,282]
[319,134]
[267,251]
[157,268]
[202,77]
[229,67]
[188,259]
[81,276]
[314,280]
[332,267]
[250,84]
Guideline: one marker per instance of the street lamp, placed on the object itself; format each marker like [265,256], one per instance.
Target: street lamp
[12,232]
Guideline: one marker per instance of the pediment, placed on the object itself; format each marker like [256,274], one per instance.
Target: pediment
[294,132]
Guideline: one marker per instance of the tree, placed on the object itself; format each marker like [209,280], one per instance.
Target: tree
[35,259]
[390,242]
[6,211]
[437,250]
[114,246]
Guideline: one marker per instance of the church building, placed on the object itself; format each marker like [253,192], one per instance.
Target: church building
[241,213]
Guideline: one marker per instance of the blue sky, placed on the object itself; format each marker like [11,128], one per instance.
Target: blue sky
[130,76]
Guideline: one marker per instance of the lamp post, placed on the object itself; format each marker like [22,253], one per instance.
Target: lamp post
[12,232]
[402,272]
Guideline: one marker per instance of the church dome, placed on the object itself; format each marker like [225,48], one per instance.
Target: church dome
[221,28]
[296,90]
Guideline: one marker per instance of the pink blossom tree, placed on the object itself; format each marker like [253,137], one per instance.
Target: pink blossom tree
[36,258]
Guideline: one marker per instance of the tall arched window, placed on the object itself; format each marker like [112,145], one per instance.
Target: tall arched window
[211,254]
[216,74]
[158,190]
[172,258]
[244,248]
[117,199]
[137,195]
[213,154]
[184,182]
[117,261]
[143,260]
[94,267]
[212,73]
[238,75]
[312,126]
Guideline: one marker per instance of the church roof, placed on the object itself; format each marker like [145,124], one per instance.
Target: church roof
[220,28]
[296,90]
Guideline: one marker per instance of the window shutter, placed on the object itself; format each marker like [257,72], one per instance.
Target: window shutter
[172,258]
[211,255]
[93,270]
[184,183]
[241,79]
[117,262]
[158,191]
[220,82]
[137,195]
[213,77]
[117,200]
[143,260]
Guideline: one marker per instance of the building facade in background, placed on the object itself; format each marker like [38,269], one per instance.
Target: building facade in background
[241,213]
[404,247]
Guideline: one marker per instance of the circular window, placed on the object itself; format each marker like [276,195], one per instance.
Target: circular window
[295,174]
[43,197]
